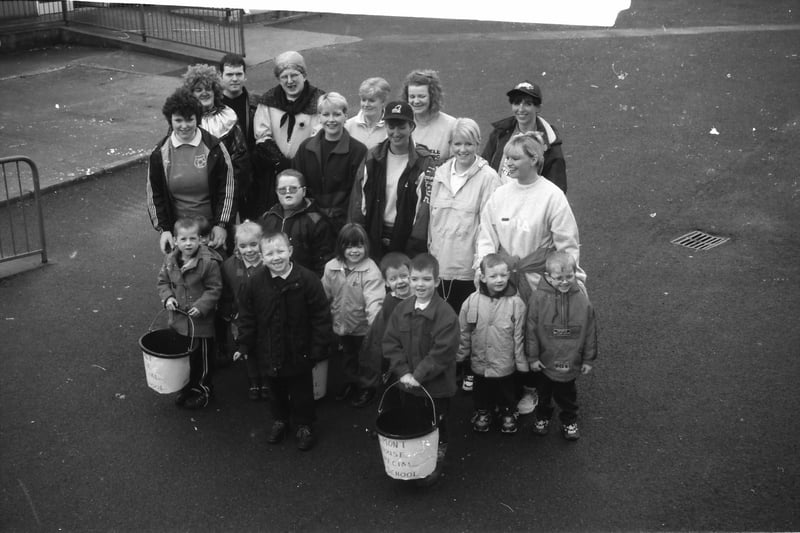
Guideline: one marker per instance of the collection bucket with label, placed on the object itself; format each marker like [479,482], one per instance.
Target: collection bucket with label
[166,357]
[409,439]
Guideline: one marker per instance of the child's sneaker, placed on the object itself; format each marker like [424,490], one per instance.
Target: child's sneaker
[541,427]
[509,424]
[528,401]
[482,421]
[570,431]
[468,384]
[305,438]
[196,400]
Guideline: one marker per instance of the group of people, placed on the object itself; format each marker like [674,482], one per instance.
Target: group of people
[293,232]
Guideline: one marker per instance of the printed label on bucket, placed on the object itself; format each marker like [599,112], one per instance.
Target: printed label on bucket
[410,458]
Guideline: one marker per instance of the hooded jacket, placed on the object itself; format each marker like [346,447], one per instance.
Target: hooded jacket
[555,168]
[355,295]
[493,332]
[561,331]
[455,218]
[368,199]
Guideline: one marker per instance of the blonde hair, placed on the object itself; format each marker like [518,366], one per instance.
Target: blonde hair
[377,87]
[248,229]
[467,128]
[531,143]
[334,100]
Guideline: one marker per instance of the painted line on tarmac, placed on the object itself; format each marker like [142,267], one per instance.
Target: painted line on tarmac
[585,34]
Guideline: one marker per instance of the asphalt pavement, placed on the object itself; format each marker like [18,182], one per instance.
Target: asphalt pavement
[687,419]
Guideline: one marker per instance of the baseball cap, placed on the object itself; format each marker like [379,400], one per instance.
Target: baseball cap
[398,110]
[528,89]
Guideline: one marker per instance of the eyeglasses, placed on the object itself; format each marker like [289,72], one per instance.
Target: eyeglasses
[291,189]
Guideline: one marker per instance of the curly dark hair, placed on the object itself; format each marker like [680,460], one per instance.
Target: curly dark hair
[183,103]
[430,79]
[203,75]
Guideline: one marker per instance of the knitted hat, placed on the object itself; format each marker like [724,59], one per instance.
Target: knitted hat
[290,59]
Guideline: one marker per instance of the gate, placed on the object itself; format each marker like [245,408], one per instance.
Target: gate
[21,221]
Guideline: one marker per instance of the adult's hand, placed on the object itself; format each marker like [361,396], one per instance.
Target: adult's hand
[218,236]
[165,242]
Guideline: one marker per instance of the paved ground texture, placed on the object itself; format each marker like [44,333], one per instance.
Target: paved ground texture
[689,420]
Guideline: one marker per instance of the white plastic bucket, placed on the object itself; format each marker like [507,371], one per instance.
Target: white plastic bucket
[409,440]
[320,375]
[166,358]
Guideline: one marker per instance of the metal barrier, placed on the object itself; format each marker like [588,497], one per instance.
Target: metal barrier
[216,29]
[20,205]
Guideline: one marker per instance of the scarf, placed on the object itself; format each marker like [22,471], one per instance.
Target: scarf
[306,102]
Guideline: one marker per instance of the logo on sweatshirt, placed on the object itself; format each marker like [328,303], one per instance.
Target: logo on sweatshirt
[200,161]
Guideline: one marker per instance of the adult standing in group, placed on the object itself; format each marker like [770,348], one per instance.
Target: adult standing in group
[422,89]
[368,125]
[526,104]
[330,160]
[189,173]
[222,122]
[286,115]
[524,219]
[233,75]
[390,196]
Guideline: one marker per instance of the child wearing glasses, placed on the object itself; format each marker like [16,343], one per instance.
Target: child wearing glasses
[310,232]
[330,159]
[561,339]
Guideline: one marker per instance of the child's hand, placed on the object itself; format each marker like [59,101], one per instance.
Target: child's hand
[194,312]
[409,381]
[585,369]
[239,355]
[171,304]
[537,366]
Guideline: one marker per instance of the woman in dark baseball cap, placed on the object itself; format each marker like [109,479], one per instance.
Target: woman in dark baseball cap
[526,103]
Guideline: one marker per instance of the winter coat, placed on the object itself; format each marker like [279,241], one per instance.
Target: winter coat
[455,218]
[424,343]
[222,123]
[310,233]
[221,184]
[285,323]
[269,125]
[555,168]
[234,274]
[493,333]
[330,182]
[355,295]
[198,283]
[410,233]
[561,331]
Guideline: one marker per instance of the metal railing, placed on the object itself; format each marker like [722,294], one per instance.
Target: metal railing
[21,220]
[216,29]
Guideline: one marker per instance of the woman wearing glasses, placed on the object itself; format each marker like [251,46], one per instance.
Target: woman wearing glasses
[330,160]
[310,232]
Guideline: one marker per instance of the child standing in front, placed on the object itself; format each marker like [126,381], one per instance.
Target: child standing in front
[355,290]
[190,280]
[492,322]
[421,342]
[561,337]
[285,320]
[396,272]
[235,271]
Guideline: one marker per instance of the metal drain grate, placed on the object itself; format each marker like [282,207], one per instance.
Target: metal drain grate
[698,240]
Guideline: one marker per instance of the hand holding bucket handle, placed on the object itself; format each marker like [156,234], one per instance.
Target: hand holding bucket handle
[433,405]
[188,318]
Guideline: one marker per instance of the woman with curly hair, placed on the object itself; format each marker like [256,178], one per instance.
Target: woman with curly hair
[221,122]
[422,89]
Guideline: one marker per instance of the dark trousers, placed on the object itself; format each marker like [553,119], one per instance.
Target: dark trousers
[351,346]
[292,397]
[565,395]
[442,405]
[488,393]
[201,365]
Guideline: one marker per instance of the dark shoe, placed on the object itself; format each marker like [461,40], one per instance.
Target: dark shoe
[508,424]
[345,392]
[196,400]
[570,431]
[182,396]
[253,392]
[541,427]
[305,438]
[264,392]
[364,397]
[277,432]
[481,421]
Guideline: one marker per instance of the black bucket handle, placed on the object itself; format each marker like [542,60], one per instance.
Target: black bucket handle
[433,405]
[191,325]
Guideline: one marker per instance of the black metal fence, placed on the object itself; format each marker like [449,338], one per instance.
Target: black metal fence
[216,29]
[21,220]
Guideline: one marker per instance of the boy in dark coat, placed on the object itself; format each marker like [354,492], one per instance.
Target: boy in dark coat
[285,320]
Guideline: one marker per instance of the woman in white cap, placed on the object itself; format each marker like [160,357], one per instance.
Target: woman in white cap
[526,104]
[286,115]
[422,89]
